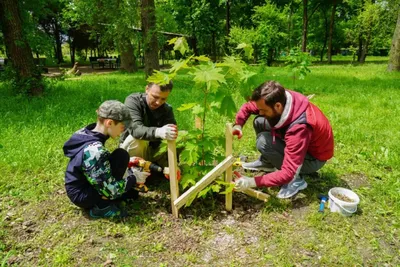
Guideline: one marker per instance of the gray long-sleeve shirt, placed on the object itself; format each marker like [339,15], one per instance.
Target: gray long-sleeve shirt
[144,120]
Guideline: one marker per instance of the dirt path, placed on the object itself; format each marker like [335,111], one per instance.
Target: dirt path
[85,70]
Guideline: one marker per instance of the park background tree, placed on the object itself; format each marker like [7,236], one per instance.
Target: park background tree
[149,35]
[394,56]
[26,76]
[138,30]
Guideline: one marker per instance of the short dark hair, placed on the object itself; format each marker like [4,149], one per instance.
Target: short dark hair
[164,87]
[271,91]
[101,120]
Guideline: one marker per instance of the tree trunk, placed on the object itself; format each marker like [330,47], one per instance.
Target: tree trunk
[57,37]
[365,47]
[228,17]
[128,60]
[213,47]
[149,32]
[325,38]
[394,55]
[18,50]
[72,53]
[331,31]
[305,27]
[360,47]
[270,56]
[290,21]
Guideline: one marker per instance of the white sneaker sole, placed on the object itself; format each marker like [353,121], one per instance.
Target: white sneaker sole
[259,169]
[302,187]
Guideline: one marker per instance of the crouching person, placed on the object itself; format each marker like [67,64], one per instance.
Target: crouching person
[96,178]
[293,136]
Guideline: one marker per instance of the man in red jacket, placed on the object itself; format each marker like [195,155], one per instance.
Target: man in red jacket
[293,136]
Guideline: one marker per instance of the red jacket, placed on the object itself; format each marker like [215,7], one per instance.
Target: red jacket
[303,128]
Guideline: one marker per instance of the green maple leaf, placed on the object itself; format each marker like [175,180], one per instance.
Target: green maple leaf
[181,45]
[235,65]
[203,192]
[247,48]
[181,64]
[172,41]
[188,179]
[197,109]
[245,75]
[215,104]
[207,145]
[216,188]
[228,106]
[186,106]
[160,78]
[202,58]
[190,155]
[210,75]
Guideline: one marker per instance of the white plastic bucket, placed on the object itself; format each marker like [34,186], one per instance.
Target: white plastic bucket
[343,207]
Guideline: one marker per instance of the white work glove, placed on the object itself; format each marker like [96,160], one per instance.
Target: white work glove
[237,130]
[169,132]
[140,176]
[244,182]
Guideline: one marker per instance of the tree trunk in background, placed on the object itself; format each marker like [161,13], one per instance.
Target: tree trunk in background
[326,37]
[331,26]
[290,27]
[128,60]
[18,50]
[394,55]
[57,37]
[149,32]
[305,27]
[360,47]
[72,52]
[228,17]
[213,47]
[365,47]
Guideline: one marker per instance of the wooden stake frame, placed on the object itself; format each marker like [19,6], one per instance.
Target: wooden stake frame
[225,166]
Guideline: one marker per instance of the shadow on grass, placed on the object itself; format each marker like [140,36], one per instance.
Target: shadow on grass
[150,206]
[318,185]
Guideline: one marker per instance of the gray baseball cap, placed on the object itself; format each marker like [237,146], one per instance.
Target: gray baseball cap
[113,109]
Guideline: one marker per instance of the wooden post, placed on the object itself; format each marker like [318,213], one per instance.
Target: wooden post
[257,194]
[206,180]
[173,181]
[228,173]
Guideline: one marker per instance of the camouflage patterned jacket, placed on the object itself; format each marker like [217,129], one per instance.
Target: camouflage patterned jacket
[89,168]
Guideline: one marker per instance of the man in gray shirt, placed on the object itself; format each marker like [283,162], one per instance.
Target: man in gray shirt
[152,121]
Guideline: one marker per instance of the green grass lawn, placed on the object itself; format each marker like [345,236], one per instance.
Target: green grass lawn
[40,227]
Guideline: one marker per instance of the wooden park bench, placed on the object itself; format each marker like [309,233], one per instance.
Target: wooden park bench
[93,61]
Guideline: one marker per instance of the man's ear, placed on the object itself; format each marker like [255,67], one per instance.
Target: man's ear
[279,107]
[147,88]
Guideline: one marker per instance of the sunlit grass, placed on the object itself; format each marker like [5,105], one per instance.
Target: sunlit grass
[361,103]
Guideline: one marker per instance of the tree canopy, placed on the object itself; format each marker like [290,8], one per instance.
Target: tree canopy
[137,30]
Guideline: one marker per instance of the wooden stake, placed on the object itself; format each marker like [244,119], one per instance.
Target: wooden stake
[228,173]
[257,194]
[206,180]
[173,182]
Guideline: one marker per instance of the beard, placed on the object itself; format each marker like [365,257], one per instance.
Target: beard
[274,119]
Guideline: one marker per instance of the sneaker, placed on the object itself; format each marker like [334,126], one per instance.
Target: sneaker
[111,211]
[259,165]
[292,188]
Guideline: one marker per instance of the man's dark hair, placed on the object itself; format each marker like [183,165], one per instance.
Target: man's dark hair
[271,91]
[164,87]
